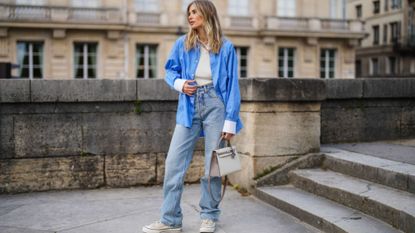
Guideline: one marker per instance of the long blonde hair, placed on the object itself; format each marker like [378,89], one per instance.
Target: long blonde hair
[211,25]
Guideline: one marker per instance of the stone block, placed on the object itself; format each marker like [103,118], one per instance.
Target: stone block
[41,135]
[119,133]
[360,120]
[344,88]
[155,89]
[194,173]
[265,89]
[39,174]
[83,90]
[389,88]
[408,122]
[7,141]
[277,130]
[130,170]
[14,91]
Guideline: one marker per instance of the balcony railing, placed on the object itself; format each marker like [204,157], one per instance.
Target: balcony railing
[147,18]
[9,12]
[312,24]
[241,21]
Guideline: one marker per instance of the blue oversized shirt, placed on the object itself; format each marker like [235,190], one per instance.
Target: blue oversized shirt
[181,66]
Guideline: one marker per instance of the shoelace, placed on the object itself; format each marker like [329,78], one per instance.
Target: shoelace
[207,221]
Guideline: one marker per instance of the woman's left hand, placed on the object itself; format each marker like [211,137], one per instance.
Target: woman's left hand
[227,136]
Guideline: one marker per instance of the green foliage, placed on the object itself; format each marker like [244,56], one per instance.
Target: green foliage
[137,107]
[267,171]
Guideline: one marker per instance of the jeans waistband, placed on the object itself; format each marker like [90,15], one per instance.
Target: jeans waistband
[205,87]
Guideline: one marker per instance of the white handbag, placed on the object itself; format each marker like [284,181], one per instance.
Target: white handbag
[224,161]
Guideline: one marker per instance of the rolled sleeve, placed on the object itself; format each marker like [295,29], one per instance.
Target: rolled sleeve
[229,127]
[178,85]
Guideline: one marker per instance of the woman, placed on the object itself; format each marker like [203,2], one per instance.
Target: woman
[203,67]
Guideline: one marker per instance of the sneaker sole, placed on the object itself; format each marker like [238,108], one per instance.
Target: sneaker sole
[146,230]
[207,230]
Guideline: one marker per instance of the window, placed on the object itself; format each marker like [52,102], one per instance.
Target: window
[395,31]
[385,34]
[412,68]
[185,3]
[333,9]
[286,8]
[286,62]
[392,65]
[30,2]
[86,4]
[375,35]
[242,53]
[30,59]
[85,14]
[396,4]
[146,58]
[327,63]
[238,7]
[376,7]
[85,60]
[146,5]
[358,11]
[358,67]
[374,66]
[386,5]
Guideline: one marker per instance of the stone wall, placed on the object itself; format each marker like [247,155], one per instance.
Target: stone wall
[86,134]
[368,110]
[64,134]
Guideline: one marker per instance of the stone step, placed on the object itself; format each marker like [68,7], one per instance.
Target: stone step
[393,206]
[320,212]
[398,175]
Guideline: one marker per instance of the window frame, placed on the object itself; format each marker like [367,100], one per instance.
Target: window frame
[145,3]
[240,58]
[146,70]
[235,8]
[358,9]
[376,7]
[85,55]
[372,70]
[327,69]
[376,34]
[283,10]
[31,66]
[285,59]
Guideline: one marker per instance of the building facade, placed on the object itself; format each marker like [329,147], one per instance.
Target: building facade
[113,39]
[389,50]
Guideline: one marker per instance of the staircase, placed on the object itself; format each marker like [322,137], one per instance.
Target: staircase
[344,191]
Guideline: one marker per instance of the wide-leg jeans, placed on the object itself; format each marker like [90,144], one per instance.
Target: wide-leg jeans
[209,115]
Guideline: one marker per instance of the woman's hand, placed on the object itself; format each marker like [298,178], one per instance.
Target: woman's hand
[189,87]
[227,136]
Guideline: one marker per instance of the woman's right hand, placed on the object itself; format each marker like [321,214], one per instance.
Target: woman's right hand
[189,87]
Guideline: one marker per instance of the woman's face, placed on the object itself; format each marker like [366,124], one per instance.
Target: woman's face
[194,18]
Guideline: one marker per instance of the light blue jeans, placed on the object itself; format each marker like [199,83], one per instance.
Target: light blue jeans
[209,115]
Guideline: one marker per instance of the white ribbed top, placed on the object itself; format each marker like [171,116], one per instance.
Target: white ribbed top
[203,75]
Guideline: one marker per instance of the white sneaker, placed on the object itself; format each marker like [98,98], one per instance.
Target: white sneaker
[159,227]
[207,225]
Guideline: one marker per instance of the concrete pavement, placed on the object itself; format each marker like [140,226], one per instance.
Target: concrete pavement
[127,210]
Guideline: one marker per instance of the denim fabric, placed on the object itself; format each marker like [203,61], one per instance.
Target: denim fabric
[209,115]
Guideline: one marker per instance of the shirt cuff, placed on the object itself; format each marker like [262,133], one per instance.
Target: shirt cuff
[229,127]
[178,84]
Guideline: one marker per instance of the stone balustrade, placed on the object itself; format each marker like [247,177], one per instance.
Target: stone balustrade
[63,134]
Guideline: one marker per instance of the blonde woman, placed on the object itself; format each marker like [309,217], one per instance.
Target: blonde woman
[203,67]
